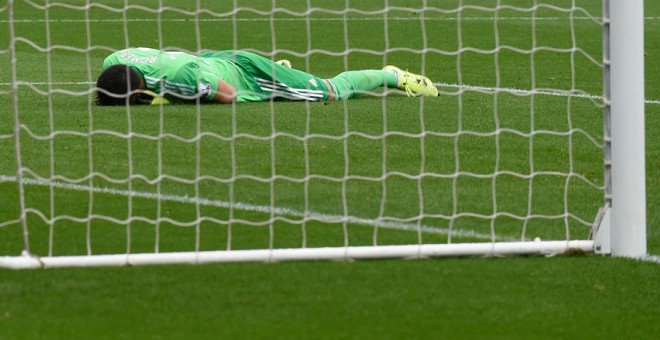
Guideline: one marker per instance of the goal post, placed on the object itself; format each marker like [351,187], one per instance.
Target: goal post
[511,159]
[626,126]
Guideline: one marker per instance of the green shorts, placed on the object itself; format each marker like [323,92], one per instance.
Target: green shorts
[260,79]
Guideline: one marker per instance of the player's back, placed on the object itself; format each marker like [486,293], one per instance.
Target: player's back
[161,68]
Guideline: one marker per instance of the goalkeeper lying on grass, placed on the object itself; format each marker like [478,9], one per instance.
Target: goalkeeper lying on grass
[234,76]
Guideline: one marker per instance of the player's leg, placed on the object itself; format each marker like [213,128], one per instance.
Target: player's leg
[279,80]
[413,84]
[351,84]
[273,80]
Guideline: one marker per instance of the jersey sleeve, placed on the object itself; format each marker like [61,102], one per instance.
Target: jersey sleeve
[193,80]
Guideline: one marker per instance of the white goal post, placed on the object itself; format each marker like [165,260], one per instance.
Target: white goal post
[618,228]
[624,124]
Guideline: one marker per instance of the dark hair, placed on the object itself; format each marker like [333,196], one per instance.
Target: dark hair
[113,85]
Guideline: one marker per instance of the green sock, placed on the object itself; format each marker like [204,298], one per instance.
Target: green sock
[351,84]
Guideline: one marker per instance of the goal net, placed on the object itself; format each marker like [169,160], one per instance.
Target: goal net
[511,158]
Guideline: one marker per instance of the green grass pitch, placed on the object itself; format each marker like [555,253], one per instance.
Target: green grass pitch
[297,168]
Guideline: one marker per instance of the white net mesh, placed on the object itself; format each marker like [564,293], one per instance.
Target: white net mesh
[511,150]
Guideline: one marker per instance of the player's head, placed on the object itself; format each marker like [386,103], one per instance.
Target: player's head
[120,80]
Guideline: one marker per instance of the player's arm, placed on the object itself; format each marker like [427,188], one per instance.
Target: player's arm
[226,93]
[208,85]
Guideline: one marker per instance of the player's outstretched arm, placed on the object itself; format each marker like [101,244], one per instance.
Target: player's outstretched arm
[226,93]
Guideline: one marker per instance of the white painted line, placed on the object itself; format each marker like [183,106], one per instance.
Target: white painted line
[456,86]
[310,215]
[304,18]
[650,258]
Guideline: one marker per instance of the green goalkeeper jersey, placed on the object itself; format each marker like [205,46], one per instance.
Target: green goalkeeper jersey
[254,77]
